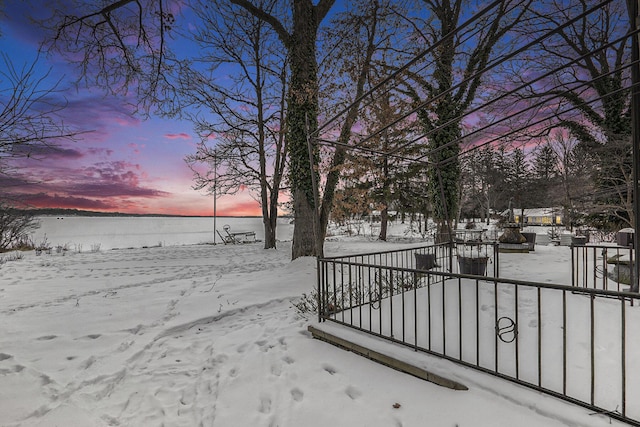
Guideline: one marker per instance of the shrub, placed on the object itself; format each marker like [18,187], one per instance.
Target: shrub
[43,246]
[15,226]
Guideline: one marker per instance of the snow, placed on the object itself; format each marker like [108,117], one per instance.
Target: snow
[87,233]
[206,335]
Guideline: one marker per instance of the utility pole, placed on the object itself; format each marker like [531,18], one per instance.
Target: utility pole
[633,6]
[215,194]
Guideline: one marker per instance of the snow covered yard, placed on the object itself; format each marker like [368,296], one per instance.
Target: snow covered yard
[206,335]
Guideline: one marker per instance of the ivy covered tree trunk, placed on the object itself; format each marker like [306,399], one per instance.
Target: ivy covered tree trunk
[302,114]
[303,121]
[444,177]
[452,88]
[441,122]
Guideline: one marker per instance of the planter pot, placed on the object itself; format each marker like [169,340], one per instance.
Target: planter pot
[531,240]
[425,261]
[476,266]
[622,271]
[624,237]
[578,240]
[514,248]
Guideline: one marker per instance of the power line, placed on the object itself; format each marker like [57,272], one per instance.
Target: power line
[411,62]
[476,74]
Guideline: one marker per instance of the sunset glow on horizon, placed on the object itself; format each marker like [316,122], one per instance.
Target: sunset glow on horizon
[118,162]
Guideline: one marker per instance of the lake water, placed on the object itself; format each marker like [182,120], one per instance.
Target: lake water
[81,233]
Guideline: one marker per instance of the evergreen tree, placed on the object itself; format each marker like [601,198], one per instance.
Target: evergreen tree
[546,189]
[518,178]
[545,164]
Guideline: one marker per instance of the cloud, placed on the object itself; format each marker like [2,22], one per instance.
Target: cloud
[97,151]
[180,135]
[44,200]
[102,185]
[100,115]
[46,152]
[110,179]
[15,181]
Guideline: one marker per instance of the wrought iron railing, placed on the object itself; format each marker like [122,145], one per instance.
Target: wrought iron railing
[602,267]
[570,342]
[435,257]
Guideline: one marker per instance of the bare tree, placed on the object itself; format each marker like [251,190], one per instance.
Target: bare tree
[121,47]
[360,38]
[302,113]
[15,227]
[449,90]
[125,42]
[30,127]
[243,144]
[586,88]
[30,121]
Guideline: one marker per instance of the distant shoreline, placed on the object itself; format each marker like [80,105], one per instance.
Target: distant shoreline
[77,212]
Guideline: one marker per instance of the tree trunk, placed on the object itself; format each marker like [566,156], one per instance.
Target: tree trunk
[444,232]
[302,114]
[384,221]
[488,209]
[304,239]
[386,194]
[303,122]
[333,177]
[270,232]
[269,221]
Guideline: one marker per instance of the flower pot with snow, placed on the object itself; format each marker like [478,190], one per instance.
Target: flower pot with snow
[578,240]
[425,261]
[476,266]
[622,271]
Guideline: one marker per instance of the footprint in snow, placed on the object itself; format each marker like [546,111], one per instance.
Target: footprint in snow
[283,342]
[329,369]
[288,360]
[276,370]
[135,330]
[5,356]
[88,362]
[353,392]
[46,337]
[265,404]
[14,369]
[125,345]
[297,394]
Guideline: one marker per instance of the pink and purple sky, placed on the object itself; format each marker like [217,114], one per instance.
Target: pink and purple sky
[122,163]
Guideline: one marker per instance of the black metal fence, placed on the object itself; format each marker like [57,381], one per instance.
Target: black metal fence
[602,267]
[570,342]
[439,257]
